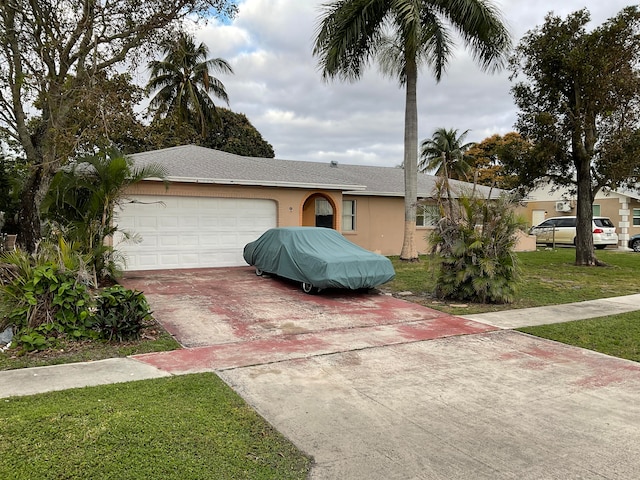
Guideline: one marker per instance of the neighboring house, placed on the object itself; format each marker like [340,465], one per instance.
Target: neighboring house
[622,206]
[217,202]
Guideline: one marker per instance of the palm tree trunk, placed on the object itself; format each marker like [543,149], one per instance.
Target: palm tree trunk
[409,251]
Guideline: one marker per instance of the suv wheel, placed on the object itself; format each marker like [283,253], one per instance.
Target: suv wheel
[635,245]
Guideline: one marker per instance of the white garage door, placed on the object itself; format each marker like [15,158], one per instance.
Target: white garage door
[190,232]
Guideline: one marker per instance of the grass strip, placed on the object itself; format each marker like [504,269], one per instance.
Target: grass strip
[186,427]
[616,335]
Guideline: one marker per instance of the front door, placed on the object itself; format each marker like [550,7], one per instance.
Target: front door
[324,213]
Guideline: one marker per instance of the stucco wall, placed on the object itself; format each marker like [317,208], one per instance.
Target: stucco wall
[379,220]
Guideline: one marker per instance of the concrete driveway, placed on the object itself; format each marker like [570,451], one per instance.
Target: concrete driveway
[377,388]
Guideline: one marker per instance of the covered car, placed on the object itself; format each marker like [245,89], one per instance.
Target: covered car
[317,257]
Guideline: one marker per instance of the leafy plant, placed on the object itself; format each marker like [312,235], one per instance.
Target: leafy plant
[475,241]
[121,313]
[81,201]
[45,295]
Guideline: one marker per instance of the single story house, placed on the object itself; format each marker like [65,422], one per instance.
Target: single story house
[217,202]
[622,206]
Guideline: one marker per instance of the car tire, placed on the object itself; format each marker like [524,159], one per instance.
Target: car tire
[259,272]
[600,247]
[635,245]
[308,288]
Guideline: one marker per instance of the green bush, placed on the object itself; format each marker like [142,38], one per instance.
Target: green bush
[475,243]
[121,313]
[45,304]
[45,296]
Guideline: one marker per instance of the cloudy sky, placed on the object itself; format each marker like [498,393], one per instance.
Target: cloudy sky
[278,86]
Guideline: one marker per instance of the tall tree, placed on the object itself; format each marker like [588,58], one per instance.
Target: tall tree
[51,52]
[408,33]
[184,80]
[234,134]
[579,100]
[488,157]
[446,153]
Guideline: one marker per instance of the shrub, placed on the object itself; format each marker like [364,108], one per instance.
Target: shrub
[44,295]
[475,241]
[121,313]
[44,305]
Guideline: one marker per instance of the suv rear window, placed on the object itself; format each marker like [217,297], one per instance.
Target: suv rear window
[603,222]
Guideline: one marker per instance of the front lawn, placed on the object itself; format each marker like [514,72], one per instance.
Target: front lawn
[186,427]
[616,335]
[549,277]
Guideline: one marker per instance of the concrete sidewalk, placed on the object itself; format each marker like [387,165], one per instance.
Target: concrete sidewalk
[29,381]
[529,317]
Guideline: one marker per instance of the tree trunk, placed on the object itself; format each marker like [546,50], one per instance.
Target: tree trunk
[409,251]
[29,222]
[585,255]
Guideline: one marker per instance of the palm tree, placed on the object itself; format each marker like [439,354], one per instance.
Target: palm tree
[445,153]
[83,197]
[183,80]
[407,33]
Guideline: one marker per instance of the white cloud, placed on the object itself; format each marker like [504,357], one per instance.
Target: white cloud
[278,86]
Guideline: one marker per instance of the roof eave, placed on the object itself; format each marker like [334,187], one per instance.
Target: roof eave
[255,183]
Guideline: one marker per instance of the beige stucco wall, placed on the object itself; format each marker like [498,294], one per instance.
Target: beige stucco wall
[380,225]
[289,201]
[379,220]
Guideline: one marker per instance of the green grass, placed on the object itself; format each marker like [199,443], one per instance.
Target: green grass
[616,335]
[549,277]
[187,427]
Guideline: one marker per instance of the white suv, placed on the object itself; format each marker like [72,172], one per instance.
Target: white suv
[562,231]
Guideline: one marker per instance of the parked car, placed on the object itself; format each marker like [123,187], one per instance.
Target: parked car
[318,258]
[634,243]
[562,231]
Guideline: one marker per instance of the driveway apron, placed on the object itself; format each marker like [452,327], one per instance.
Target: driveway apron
[377,388]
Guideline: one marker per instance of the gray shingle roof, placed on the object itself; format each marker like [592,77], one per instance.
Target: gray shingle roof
[196,164]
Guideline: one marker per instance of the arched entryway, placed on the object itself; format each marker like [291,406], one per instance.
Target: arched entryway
[318,211]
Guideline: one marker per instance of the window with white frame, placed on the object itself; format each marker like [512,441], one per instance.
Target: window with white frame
[596,210]
[427,215]
[348,215]
[636,217]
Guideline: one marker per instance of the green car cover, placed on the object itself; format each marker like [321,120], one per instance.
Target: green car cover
[320,257]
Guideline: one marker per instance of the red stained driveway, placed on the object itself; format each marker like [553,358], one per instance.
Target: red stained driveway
[229,317]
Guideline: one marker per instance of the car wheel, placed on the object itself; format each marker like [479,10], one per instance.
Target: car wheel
[259,272]
[308,288]
[635,245]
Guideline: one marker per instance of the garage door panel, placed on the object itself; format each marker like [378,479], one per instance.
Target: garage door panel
[188,222]
[165,222]
[189,240]
[208,223]
[169,241]
[183,232]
